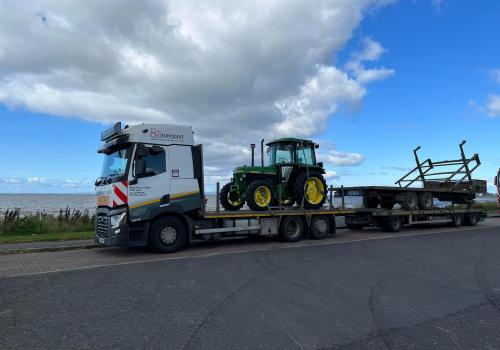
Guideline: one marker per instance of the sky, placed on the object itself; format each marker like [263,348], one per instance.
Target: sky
[369,80]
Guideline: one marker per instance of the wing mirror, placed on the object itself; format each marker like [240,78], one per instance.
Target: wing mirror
[139,170]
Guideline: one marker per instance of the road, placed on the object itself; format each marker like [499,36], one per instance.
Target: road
[432,288]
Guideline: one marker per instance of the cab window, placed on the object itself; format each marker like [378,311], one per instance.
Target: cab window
[154,159]
[305,155]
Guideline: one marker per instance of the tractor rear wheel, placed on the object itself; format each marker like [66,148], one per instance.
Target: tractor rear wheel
[258,195]
[230,200]
[310,191]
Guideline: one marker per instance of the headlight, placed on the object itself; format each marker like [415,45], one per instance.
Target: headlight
[117,220]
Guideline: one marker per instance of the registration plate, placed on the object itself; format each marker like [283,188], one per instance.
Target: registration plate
[101,240]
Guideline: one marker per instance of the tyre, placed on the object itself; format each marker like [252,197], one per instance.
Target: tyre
[230,200]
[457,220]
[167,235]
[320,226]
[410,201]
[311,192]
[391,224]
[470,219]
[370,202]
[258,195]
[425,201]
[387,204]
[291,228]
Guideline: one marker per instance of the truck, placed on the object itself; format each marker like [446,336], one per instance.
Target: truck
[151,192]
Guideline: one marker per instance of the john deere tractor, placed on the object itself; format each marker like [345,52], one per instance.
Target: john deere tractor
[290,174]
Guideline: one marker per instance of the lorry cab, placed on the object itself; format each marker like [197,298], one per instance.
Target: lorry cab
[148,170]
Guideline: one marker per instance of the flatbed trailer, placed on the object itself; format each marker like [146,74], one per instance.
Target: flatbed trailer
[395,220]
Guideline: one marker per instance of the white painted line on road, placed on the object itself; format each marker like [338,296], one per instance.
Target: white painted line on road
[303,244]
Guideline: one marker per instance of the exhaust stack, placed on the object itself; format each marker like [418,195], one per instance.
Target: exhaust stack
[262,152]
[252,147]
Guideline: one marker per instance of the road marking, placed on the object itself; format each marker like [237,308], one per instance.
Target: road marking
[208,255]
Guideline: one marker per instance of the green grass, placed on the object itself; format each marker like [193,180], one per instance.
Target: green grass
[44,237]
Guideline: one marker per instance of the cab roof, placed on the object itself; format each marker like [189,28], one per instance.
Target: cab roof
[290,140]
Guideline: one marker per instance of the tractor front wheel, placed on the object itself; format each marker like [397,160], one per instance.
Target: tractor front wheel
[258,195]
[230,200]
[310,191]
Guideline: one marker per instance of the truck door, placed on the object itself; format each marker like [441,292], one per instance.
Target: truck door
[149,181]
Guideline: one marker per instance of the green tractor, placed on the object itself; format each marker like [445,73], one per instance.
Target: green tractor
[291,174]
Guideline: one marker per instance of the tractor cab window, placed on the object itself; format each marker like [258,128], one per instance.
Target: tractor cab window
[305,155]
[279,154]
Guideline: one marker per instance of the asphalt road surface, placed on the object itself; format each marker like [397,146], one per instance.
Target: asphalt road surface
[424,288]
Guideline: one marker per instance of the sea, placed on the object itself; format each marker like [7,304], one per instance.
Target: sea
[53,203]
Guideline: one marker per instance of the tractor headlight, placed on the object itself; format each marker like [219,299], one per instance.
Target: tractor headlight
[117,220]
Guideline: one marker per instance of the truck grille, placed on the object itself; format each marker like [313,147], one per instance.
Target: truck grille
[102,225]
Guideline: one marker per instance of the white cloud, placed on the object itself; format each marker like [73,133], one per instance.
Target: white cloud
[493,106]
[45,185]
[236,71]
[371,51]
[340,158]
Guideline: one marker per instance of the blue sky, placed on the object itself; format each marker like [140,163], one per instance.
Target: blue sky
[444,55]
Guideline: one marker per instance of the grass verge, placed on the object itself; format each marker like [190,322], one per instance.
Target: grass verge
[45,237]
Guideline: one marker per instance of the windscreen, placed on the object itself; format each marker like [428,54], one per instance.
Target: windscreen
[115,164]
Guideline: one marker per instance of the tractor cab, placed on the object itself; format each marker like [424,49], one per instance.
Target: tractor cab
[290,174]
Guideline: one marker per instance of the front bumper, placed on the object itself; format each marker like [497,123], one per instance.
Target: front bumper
[104,234]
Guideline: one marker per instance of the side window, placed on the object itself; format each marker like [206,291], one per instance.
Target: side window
[305,155]
[154,161]
[284,154]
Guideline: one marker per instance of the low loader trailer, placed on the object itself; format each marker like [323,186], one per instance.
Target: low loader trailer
[151,193]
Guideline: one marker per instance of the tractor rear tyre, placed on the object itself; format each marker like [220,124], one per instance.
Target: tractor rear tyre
[230,200]
[310,192]
[258,195]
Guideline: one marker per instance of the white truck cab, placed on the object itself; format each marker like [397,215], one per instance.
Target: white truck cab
[148,170]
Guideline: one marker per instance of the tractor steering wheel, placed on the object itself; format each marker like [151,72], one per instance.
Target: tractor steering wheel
[283,160]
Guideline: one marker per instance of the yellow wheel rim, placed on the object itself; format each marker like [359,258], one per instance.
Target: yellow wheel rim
[262,196]
[315,190]
[234,199]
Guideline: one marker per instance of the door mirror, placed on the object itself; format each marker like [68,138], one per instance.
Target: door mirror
[141,151]
[139,167]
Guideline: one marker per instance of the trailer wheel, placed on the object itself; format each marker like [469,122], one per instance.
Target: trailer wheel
[410,201]
[320,226]
[425,201]
[391,224]
[167,235]
[291,228]
[470,219]
[457,220]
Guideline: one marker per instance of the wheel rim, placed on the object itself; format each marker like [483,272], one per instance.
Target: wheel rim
[262,196]
[168,235]
[320,225]
[234,199]
[292,228]
[315,190]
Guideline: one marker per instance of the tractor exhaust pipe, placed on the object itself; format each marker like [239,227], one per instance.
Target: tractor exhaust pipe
[262,152]
[252,147]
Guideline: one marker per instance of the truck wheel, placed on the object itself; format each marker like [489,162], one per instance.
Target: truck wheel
[320,226]
[470,219]
[370,202]
[230,200]
[310,191]
[457,220]
[291,228]
[391,224]
[258,195]
[410,201]
[425,201]
[167,235]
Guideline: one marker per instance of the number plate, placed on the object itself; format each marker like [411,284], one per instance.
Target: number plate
[101,240]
